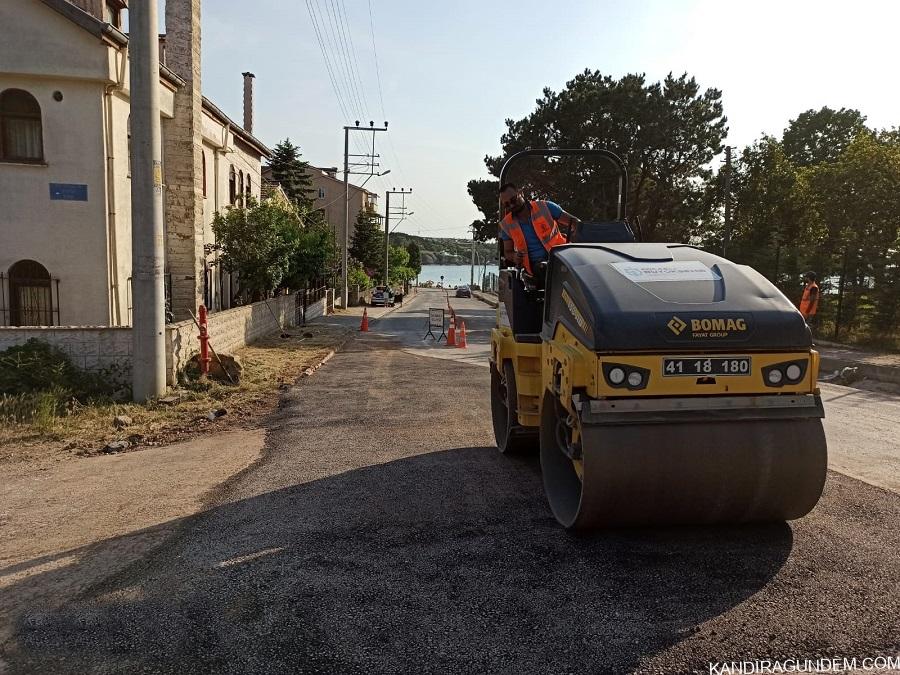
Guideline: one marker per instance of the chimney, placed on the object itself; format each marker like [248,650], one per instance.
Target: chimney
[248,102]
[183,150]
[162,48]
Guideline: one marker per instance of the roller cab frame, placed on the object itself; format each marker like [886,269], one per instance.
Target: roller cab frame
[660,383]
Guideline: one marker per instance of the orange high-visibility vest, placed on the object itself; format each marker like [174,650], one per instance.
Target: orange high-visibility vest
[809,306]
[544,226]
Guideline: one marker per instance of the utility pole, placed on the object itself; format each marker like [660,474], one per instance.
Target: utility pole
[387,218]
[370,164]
[148,254]
[472,275]
[727,234]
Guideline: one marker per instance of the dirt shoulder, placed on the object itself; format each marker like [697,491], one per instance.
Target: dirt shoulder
[64,505]
[269,367]
[102,514]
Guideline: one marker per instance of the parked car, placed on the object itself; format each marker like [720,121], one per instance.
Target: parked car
[463,292]
[382,296]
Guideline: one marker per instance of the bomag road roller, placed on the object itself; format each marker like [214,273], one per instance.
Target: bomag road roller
[662,384]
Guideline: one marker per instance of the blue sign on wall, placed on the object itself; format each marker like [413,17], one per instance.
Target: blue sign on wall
[68,192]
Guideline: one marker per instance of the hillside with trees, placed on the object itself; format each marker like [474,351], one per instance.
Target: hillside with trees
[439,251]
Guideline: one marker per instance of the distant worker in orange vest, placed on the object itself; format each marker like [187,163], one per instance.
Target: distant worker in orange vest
[809,303]
[530,228]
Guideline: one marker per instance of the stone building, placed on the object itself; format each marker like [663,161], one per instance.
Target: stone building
[328,196]
[65,219]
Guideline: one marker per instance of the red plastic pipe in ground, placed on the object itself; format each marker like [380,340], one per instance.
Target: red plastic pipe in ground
[204,343]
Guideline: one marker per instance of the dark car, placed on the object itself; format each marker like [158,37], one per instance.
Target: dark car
[463,292]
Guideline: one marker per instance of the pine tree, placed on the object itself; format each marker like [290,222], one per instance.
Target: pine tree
[292,174]
[368,240]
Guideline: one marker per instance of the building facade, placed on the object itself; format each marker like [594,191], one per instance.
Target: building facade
[65,192]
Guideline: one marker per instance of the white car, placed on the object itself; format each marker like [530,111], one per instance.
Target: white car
[382,296]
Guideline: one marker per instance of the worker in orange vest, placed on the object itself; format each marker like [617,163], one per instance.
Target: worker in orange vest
[530,228]
[809,303]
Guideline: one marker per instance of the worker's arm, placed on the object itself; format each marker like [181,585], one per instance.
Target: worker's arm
[509,252]
[566,221]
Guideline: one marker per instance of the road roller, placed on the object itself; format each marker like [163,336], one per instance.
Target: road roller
[661,384]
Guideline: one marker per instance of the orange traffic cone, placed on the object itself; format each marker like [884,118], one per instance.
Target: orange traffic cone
[364,326]
[451,332]
[462,335]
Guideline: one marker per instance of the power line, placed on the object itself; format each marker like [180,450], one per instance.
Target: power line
[328,67]
[375,53]
[341,40]
[333,46]
[345,26]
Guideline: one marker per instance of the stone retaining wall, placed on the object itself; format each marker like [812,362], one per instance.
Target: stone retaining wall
[233,328]
[96,348]
[93,348]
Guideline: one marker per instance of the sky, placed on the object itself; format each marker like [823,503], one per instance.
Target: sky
[451,72]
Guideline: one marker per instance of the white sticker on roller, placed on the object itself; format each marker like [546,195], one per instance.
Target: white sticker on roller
[676,270]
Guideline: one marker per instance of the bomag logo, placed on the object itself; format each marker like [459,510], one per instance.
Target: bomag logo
[718,325]
[574,311]
[676,325]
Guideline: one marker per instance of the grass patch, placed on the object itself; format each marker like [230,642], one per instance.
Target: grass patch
[39,426]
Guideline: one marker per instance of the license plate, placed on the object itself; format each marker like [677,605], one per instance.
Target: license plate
[712,366]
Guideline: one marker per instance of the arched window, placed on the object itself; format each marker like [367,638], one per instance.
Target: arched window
[21,139]
[249,188]
[30,298]
[241,185]
[232,185]
[203,156]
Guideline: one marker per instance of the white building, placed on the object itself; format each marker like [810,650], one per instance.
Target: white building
[65,195]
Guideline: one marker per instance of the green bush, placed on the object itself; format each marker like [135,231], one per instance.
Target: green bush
[38,383]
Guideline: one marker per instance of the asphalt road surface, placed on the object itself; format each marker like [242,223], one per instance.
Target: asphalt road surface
[383,533]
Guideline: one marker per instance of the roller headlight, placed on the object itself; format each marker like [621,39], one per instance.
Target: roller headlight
[624,376]
[785,373]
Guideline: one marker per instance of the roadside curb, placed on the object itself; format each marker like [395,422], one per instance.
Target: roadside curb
[486,299]
[836,356]
[309,371]
[871,371]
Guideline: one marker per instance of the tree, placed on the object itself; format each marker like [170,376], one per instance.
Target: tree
[258,242]
[399,269]
[766,231]
[822,135]
[667,133]
[314,258]
[415,257]
[292,174]
[851,206]
[356,275]
[368,241]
